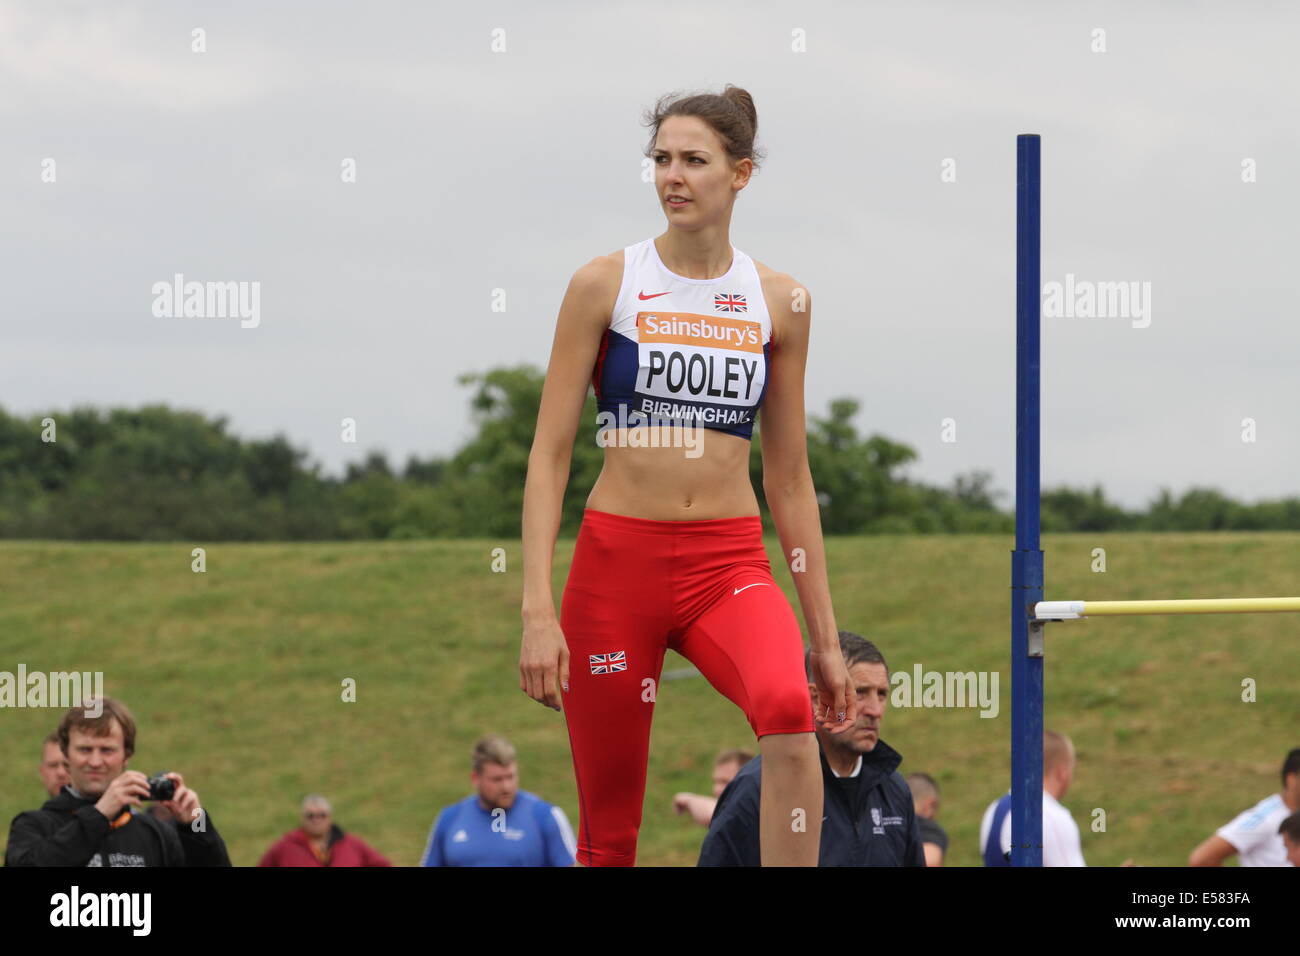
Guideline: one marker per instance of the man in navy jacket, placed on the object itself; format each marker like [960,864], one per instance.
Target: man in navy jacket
[869,816]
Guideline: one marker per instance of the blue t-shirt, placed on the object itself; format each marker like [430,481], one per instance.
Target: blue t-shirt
[531,833]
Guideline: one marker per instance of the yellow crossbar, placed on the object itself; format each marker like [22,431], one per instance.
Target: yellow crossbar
[1068,610]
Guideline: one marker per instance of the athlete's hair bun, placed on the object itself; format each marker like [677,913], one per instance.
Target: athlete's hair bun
[741,98]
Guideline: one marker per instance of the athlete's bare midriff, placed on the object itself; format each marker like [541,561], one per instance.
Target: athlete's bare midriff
[674,482]
[667,484]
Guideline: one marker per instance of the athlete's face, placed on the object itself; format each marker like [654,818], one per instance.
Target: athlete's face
[54,769]
[691,163]
[94,762]
[497,785]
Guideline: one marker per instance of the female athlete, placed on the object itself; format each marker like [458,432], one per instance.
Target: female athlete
[683,337]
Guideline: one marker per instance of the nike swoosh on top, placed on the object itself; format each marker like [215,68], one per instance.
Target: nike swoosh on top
[642,296]
[759,584]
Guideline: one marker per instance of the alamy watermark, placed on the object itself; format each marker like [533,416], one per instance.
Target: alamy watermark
[76,908]
[62,689]
[922,688]
[208,300]
[1085,299]
[635,429]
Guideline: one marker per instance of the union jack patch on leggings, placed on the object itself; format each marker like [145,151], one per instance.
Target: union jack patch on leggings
[608,663]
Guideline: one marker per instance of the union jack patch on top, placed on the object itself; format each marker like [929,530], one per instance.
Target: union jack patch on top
[729,302]
[608,663]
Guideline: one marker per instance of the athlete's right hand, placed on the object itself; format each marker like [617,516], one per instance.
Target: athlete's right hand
[544,660]
[128,787]
[837,703]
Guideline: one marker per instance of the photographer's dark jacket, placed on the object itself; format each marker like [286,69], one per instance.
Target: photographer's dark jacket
[869,819]
[69,831]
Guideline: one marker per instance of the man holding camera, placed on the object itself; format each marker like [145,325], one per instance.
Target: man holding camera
[94,821]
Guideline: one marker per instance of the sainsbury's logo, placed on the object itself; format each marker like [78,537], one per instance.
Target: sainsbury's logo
[701,331]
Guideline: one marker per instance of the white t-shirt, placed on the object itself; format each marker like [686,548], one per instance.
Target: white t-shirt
[1254,833]
[857,768]
[1061,845]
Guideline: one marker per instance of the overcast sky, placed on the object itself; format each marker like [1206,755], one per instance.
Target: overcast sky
[478,170]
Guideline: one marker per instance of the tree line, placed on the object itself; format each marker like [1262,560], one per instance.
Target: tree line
[162,474]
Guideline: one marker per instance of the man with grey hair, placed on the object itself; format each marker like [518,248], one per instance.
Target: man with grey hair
[321,842]
[869,818]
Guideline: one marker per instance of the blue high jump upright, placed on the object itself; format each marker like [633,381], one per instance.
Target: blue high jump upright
[1027,559]
[1029,612]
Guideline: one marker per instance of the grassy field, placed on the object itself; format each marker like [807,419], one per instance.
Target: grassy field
[235,678]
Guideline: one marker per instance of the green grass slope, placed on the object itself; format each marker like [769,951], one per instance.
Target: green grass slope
[235,676]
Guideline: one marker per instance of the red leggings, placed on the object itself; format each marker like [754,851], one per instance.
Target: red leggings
[636,588]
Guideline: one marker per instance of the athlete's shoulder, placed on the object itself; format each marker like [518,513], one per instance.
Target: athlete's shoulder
[781,284]
[598,282]
[786,297]
[607,268]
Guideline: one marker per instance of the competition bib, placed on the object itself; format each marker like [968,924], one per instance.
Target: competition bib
[699,368]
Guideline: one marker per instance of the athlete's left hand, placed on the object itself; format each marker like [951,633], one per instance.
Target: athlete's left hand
[837,704]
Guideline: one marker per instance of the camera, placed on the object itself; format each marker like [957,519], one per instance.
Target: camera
[161,787]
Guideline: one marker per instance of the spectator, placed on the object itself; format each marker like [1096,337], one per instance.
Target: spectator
[925,798]
[1254,834]
[500,825]
[869,819]
[94,820]
[54,766]
[1290,830]
[725,767]
[1061,846]
[321,842]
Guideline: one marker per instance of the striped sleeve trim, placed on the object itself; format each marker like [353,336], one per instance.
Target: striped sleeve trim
[566,831]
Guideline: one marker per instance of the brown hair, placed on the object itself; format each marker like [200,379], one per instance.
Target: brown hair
[493,748]
[741,757]
[100,726]
[731,114]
